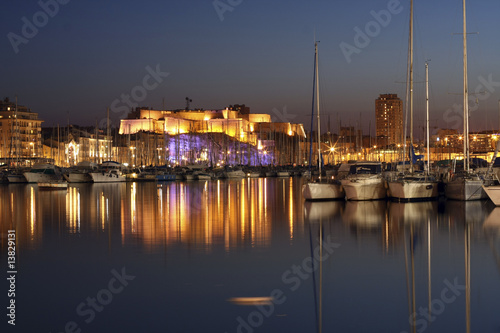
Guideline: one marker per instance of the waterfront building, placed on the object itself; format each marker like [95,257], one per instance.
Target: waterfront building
[20,134]
[70,145]
[218,137]
[389,120]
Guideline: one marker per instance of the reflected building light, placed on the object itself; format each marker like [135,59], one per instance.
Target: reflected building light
[104,211]
[133,207]
[253,208]
[12,203]
[226,225]
[243,215]
[290,208]
[73,209]
[32,211]
[159,194]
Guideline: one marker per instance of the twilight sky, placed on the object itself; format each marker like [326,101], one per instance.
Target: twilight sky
[85,56]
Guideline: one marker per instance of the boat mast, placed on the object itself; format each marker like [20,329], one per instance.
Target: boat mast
[427,115]
[312,110]
[466,97]
[317,108]
[108,136]
[411,86]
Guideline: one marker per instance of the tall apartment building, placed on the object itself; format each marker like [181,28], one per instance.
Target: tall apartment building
[389,119]
[20,132]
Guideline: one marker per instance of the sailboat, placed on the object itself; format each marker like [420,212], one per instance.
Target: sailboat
[415,186]
[492,188]
[465,185]
[320,189]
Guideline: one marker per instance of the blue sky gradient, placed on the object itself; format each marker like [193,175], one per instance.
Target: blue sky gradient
[261,54]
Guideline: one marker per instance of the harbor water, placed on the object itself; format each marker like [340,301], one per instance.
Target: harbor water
[246,256]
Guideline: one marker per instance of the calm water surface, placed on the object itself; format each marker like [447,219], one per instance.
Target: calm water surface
[170,257]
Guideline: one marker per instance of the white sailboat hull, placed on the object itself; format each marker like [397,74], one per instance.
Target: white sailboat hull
[413,190]
[372,188]
[465,189]
[322,191]
[493,192]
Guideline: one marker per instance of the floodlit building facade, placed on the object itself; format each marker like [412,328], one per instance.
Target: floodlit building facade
[389,120]
[20,134]
[229,136]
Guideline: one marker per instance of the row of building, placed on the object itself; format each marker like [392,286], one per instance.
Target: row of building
[216,137]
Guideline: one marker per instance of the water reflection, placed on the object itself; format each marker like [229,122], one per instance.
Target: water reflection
[491,225]
[365,214]
[227,214]
[314,211]
[391,260]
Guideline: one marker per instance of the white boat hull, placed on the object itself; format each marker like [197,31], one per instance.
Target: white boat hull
[413,190]
[364,188]
[493,192]
[36,177]
[322,191]
[16,179]
[106,177]
[465,189]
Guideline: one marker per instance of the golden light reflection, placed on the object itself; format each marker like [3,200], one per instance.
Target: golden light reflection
[104,210]
[200,214]
[73,210]
[228,214]
[291,208]
[133,208]
[32,210]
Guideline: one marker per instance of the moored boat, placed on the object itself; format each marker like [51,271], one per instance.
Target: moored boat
[108,172]
[80,173]
[319,189]
[364,182]
[493,192]
[43,172]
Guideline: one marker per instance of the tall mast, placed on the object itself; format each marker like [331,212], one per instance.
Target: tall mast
[411,86]
[108,136]
[18,153]
[427,115]
[312,109]
[317,108]
[466,98]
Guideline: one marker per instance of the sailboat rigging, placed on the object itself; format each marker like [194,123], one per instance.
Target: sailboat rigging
[320,189]
[414,186]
